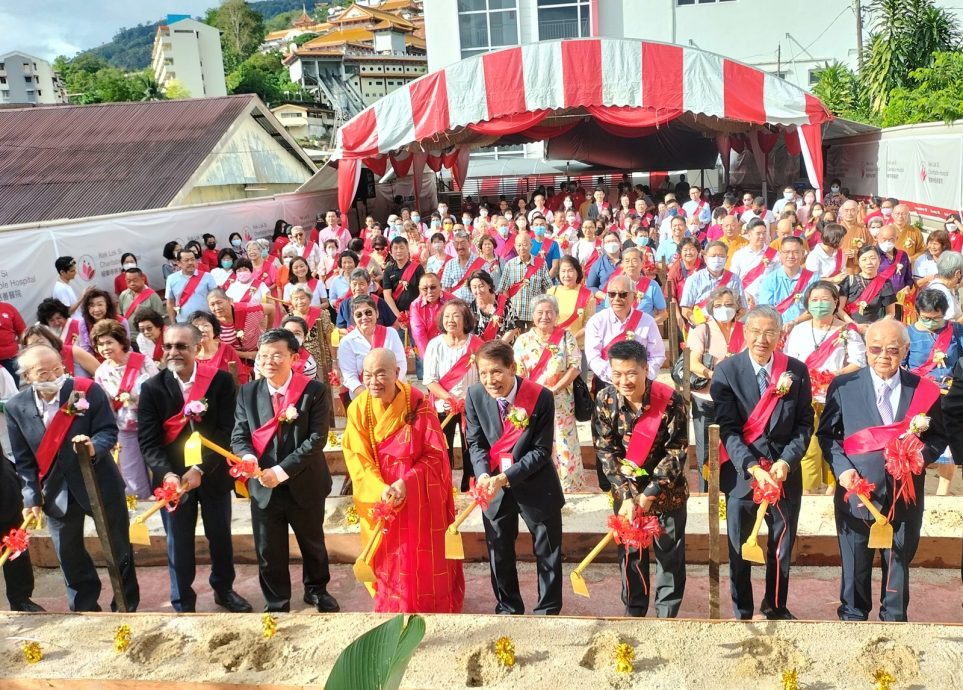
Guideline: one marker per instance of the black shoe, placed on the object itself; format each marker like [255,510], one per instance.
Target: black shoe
[322,601]
[772,614]
[27,606]
[232,601]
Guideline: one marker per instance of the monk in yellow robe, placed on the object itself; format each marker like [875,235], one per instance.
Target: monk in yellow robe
[395,452]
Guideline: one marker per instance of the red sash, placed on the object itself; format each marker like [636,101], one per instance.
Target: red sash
[872,289]
[240,317]
[217,361]
[475,265]
[72,332]
[817,359]
[134,362]
[759,268]
[174,424]
[141,297]
[491,330]
[723,280]
[547,354]
[263,434]
[529,274]
[876,438]
[647,425]
[642,286]
[380,333]
[737,339]
[797,291]
[56,433]
[405,279]
[956,241]
[630,325]
[189,289]
[67,352]
[762,412]
[302,362]
[584,294]
[591,260]
[364,260]
[508,246]
[546,247]
[308,248]
[460,368]
[942,344]
[158,353]
[525,399]
[313,314]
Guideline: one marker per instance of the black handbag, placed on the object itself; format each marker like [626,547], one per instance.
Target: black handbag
[584,404]
[678,369]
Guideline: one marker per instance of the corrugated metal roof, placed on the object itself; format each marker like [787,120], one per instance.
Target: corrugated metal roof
[79,161]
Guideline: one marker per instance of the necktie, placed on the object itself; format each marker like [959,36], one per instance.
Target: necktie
[503,406]
[276,402]
[762,378]
[882,402]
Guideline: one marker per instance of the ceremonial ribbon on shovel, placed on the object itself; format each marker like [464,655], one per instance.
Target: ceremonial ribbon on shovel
[382,513]
[454,548]
[637,533]
[17,540]
[240,470]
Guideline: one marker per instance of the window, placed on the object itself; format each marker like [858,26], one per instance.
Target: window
[563,19]
[29,80]
[814,76]
[485,25]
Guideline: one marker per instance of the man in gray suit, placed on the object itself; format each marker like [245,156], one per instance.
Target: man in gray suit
[44,420]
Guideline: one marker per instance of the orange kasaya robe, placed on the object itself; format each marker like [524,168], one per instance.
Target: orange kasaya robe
[413,575]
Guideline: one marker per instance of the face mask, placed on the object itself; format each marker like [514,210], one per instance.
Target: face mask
[436,223]
[503,230]
[539,230]
[442,210]
[438,246]
[810,200]
[264,253]
[932,324]
[226,263]
[611,247]
[521,222]
[886,247]
[724,314]
[788,196]
[329,251]
[886,211]
[874,230]
[466,220]
[567,203]
[212,245]
[508,215]
[950,227]
[672,212]
[129,266]
[416,218]
[244,277]
[821,309]
[236,243]
[299,339]
[834,188]
[483,213]
[642,241]
[716,263]
[570,221]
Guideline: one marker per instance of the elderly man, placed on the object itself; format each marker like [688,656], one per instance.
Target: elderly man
[763,405]
[305,248]
[360,284]
[856,234]
[909,238]
[869,414]
[696,207]
[783,287]
[888,242]
[454,276]
[705,280]
[753,261]
[186,290]
[44,420]
[137,295]
[948,279]
[523,279]
[395,452]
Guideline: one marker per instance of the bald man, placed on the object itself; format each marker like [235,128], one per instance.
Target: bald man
[908,237]
[856,234]
[866,412]
[44,420]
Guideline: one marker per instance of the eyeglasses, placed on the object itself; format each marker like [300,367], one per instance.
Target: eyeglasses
[890,351]
[768,335]
[619,295]
[366,312]
[275,358]
[44,375]
[180,347]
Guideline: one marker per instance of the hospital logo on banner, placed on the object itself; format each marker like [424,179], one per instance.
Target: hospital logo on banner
[85,268]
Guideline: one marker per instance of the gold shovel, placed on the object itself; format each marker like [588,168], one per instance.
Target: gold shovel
[363,571]
[751,551]
[23,525]
[454,548]
[192,456]
[578,582]
[881,533]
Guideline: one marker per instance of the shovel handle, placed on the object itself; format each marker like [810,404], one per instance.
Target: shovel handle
[878,516]
[368,551]
[447,420]
[5,553]
[278,299]
[462,516]
[760,516]
[219,450]
[140,519]
[593,554]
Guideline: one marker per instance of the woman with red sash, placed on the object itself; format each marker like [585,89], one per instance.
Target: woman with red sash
[720,336]
[829,347]
[494,315]
[215,353]
[493,263]
[576,303]
[317,339]
[77,361]
[149,325]
[449,371]
[263,267]
[121,376]
[867,296]
[689,261]
[549,356]
[299,273]
[935,345]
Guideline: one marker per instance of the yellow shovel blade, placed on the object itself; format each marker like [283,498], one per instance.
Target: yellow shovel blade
[192,450]
[363,571]
[240,488]
[881,535]
[454,549]
[578,584]
[139,534]
[751,551]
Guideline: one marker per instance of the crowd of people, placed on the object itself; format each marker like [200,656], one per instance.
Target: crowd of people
[813,334]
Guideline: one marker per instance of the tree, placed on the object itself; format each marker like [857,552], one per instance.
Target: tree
[936,94]
[838,88]
[176,90]
[265,75]
[242,30]
[150,89]
[281,21]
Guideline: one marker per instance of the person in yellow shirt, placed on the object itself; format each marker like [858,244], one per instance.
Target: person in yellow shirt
[908,237]
[732,237]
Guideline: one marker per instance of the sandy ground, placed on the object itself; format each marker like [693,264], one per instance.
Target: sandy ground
[457,651]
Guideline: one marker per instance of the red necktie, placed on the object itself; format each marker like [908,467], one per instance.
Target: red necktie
[276,401]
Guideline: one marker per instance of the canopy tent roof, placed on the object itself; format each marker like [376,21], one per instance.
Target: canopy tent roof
[619,102]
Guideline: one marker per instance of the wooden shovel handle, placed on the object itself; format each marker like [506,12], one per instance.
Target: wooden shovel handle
[447,420]
[462,516]
[154,508]
[760,516]
[878,516]
[593,554]
[373,542]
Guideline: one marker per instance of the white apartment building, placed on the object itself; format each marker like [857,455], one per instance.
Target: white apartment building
[190,52]
[28,79]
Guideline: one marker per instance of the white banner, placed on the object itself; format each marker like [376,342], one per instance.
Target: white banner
[29,252]
[857,165]
[925,170]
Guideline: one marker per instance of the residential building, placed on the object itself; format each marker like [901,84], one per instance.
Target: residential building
[189,52]
[305,121]
[28,79]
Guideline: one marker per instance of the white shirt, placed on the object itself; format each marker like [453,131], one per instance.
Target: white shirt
[894,393]
[238,292]
[64,293]
[47,409]
[354,347]
[767,216]
[821,263]
[186,386]
[439,359]
[953,312]
[744,260]
[804,339]
[756,367]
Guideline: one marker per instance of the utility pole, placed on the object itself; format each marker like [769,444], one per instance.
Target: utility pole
[859,36]
[779,59]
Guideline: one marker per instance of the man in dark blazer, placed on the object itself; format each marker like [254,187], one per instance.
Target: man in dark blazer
[61,494]
[518,468]
[162,399]
[294,478]
[878,396]
[779,435]
[17,572]
[953,420]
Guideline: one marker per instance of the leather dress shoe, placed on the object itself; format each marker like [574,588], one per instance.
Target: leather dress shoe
[232,601]
[773,614]
[322,601]
[27,606]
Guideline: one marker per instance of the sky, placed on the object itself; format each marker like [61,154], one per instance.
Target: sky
[65,27]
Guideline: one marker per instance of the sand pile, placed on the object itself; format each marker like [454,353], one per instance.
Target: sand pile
[768,656]
[885,654]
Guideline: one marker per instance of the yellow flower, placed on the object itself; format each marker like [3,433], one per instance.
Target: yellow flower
[351,515]
[131,502]
[624,656]
[883,680]
[790,680]
[269,626]
[32,652]
[122,638]
[505,651]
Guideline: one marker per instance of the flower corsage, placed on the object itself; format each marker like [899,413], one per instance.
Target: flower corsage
[77,404]
[288,415]
[784,384]
[195,409]
[518,417]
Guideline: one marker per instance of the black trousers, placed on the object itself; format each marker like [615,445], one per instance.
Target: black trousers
[670,573]
[449,430]
[500,534]
[856,588]
[703,416]
[604,484]
[270,527]
[180,527]
[17,573]
[782,520]
[80,575]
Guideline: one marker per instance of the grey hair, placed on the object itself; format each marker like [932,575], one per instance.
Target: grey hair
[252,243]
[764,311]
[903,334]
[193,330]
[301,287]
[949,263]
[29,353]
[630,285]
[219,292]
[360,274]
[545,299]
[719,292]
[362,300]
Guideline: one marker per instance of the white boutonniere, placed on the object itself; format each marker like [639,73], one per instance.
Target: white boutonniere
[124,399]
[518,417]
[783,384]
[919,424]
[240,335]
[288,415]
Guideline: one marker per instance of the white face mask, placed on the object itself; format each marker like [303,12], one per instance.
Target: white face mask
[612,247]
[49,386]
[567,203]
[834,188]
[715,263]
[886,247]
[129,266]
[788,196]
[724,314]
[483,213]
[874,230]
[950,227]
[886,211]
[287,260]
[330,251]
[299,339]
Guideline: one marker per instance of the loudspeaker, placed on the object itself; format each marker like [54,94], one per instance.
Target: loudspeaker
[366,186]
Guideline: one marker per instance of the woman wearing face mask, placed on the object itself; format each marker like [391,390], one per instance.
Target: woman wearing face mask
[720,336]
[95,306]
[875,225]
[606,266]
[952,226]
[243,286]
[127,260]
[924,268]
[288,254]
[419,226]
[867,296]
[213,352]
[225,266]
[328,262]
[121,376]
[236,242]
[834,197]
[438,256]
[829,347]
[241,324]
[77,361]
[935,347]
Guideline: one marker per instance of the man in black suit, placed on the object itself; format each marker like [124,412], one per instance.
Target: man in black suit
[864,411]
[53,483]
[511,424]
[162,431]
[281,421]
[17,572]
[762,420]
[953,419]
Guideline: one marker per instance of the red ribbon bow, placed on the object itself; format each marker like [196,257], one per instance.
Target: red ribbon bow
[479,495]
[334,379]
[766,492]
[637,533]
[456,405]
[904,458]
[820,381]
[384,512]
[17,540]
[243,469]
[169,494]
[860,486]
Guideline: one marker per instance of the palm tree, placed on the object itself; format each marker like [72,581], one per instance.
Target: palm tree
[149,87]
